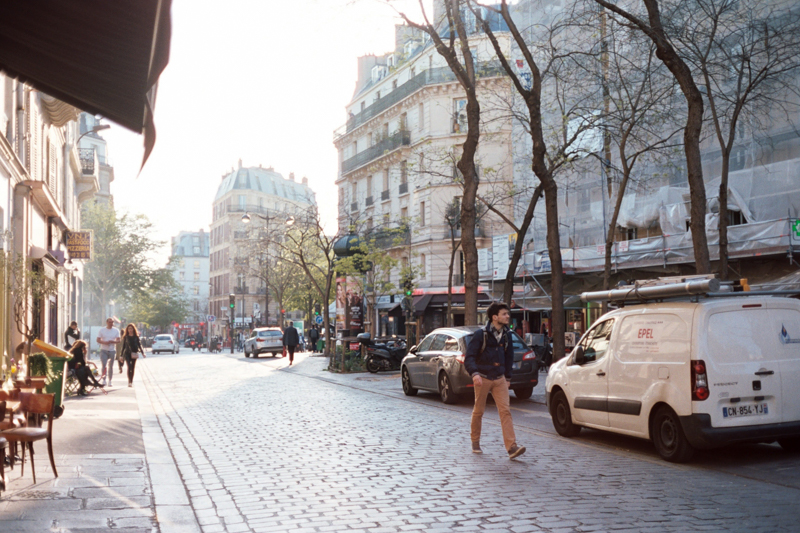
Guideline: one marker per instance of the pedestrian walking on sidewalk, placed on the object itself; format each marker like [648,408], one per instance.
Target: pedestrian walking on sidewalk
[489,360]
[108,338]
[313,336]
[71,335]
[82,372]
[131,348]
[290,339]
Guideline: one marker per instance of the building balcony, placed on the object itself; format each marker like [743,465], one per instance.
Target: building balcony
[431,76]
[240,235]
[384,196]
[354,207]
[242,289]
[404,188]
[383,147]
[369,201]
[89,161]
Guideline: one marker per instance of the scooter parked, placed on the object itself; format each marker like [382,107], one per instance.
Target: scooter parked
[382,356]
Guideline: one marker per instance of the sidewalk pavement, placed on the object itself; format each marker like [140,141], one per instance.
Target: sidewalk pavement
[115,471]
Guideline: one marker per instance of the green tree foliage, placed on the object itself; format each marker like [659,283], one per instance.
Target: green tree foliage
[161,302]
[120,265]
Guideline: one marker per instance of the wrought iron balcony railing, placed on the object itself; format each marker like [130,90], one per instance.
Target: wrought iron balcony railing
[404,188]
[384,196]
[354,207]
[89,161]
[389,144]
[369,201]
[431,76]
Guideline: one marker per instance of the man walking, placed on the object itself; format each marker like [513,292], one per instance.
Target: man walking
[313,336]
[290,339]
[489,360]
[108,338]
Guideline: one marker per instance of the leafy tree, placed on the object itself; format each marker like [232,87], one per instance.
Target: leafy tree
[160,303]
[120,265]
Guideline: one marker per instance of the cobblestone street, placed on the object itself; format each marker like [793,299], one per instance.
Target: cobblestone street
[260,446]
[264,447]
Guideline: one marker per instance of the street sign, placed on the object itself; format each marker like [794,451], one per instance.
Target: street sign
[211,318]
[319,320]
[795,230]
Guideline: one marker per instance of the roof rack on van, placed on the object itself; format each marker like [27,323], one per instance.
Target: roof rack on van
[678,287]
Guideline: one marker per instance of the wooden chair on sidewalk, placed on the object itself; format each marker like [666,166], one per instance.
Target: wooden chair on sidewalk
[33,404]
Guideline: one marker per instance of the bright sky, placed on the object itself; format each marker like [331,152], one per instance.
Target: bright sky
[261,80]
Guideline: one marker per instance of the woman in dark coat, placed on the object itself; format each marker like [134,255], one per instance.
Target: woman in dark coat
[82,372]
[131,348]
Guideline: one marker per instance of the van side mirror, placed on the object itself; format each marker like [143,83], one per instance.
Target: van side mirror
[413,349]
[580,357]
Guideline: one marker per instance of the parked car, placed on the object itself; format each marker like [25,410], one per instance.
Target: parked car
[685,375]
[264,340]
[165,343]
[437,364]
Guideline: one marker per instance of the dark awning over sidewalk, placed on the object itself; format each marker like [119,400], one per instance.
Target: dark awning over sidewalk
[101,56]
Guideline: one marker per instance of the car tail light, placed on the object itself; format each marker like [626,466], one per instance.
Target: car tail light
[460,358]
[170,342]
[529,355]
[700,390]
[259,339]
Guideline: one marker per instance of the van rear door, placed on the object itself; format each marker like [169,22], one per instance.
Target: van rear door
[785,325]
[743,366]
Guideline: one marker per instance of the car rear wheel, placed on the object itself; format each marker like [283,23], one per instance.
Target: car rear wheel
[523,393]
[246,353]
[446,390]
[668,437]
[562,416]
[790,444]
[408,390]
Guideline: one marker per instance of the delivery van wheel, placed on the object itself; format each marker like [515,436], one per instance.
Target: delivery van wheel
[790,444]
[562,416]
[669,438]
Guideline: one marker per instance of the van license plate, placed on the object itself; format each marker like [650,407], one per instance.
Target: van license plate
[745,410]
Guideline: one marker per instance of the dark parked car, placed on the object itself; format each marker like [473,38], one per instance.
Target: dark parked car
[437,364]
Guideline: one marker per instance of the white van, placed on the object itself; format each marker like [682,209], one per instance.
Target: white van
[686,375]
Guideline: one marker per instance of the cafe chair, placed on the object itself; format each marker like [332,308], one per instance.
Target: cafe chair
[38,405]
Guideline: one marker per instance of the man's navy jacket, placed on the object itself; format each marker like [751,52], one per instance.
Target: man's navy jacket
[496,360]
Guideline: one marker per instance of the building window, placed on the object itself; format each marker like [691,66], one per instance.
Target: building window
[196,289]
[363,105]
[459,115]
[369,186]
[197,263]
[242,201]
[403,214]
[423,266]
[196,250]
[422,213]
[197,276]
[385,179]
[403,172]
[181,275]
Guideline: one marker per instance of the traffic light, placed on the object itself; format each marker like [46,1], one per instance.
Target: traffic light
[409,288]
[317,309]
[232,301]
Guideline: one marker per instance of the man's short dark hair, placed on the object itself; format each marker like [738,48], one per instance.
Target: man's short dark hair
[495,309]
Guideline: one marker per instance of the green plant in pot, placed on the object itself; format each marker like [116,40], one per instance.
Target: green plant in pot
[40,366]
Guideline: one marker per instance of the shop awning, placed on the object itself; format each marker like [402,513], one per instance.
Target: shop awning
[101,56]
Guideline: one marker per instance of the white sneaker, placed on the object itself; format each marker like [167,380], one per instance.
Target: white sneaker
[103,382]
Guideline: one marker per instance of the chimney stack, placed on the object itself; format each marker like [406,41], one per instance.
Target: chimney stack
[291,176]
[305,181]
[240,162]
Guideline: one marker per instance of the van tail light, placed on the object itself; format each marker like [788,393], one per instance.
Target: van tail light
[700,390]
[528,356]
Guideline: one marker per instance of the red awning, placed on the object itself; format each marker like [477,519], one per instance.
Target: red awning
[101,56]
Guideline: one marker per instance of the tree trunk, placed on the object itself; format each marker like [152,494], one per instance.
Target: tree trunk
[612,226]
[468,208]
[557,273]
[508,284]
[453,251]
[723,215]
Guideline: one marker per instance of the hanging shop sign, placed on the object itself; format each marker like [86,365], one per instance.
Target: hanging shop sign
[79,245]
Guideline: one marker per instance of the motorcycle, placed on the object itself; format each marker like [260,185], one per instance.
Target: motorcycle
[191,343]
[382,356]
[213,346]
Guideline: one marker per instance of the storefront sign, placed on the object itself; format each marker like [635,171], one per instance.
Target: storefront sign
[79,244]
[794,230]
